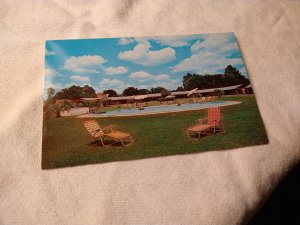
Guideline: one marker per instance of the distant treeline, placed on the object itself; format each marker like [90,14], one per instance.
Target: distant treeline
[230,77]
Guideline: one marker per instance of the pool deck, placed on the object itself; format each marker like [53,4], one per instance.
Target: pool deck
[144,112]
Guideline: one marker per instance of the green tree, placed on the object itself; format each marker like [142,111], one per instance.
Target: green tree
[88,92]
[218,92]
[50,94]
[47,103]
[180,88]
[165,93]
[231,77]
[231,71]
[157,90]
[111,93]
[144,91]
[130,91]
[75,92]
[235,77]
[57,108]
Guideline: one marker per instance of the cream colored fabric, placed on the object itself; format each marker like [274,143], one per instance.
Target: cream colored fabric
[219,187]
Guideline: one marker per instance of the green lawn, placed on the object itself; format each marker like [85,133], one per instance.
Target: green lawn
[66,142]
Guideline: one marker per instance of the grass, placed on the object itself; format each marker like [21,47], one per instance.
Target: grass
[66,142]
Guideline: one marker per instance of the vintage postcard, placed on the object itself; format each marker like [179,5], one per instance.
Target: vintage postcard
[113,99]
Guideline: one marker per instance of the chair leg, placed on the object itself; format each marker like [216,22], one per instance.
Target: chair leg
[102,142]
[189,134]
[130,142]
[122,142]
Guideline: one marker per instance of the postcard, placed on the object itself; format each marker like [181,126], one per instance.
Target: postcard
[130,98]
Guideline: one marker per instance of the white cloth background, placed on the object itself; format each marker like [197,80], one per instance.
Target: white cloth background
[220,187]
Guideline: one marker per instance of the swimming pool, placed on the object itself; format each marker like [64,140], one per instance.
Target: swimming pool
[162,109]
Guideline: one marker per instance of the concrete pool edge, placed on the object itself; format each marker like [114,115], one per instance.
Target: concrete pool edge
[226,103]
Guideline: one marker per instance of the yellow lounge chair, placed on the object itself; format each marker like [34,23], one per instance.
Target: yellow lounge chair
[99,134]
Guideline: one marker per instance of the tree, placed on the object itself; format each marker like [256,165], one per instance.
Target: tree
[231,71]
[130,91]
[235,77]
[165,93]
[218,92]
[57,108]
[47,104]
[102,99]
[75,92]
[231,77]
[157,90]
[180,88]
[88,92]
[111,93]
[143,91]
[50,94]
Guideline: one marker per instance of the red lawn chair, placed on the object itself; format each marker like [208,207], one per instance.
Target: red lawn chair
[207,126]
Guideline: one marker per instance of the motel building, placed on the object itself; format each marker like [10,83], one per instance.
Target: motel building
[79,107]
[231,90]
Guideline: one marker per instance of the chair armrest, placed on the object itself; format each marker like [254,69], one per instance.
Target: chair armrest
[109,128]
[202,120]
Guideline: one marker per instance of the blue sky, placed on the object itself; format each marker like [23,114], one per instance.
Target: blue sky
[143,62]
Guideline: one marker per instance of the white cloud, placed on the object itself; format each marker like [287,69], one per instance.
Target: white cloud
[143,86]
[125,41]
[211,55]
[142,76]
[222,43]
[141,54]
[80,78]
[85,64]
[169,84]
[115,84]
[160,80]
[50,72]
[243,71]
[206,62]
[116,70]
[162,77]
[228,49]
[177,41]
[174,41]
[55,86]
[76,84]
[172,85]
[48,53]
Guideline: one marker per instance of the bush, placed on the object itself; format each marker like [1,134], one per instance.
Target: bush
[218,92]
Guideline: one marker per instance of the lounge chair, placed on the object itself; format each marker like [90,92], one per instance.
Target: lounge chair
[100,134]
[94,110]
[207,126]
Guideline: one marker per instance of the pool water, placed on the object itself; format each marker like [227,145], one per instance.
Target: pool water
[162,109]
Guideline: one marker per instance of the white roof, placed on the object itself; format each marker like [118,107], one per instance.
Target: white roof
[139,97]
[174,93]
[206,90]
[89,99]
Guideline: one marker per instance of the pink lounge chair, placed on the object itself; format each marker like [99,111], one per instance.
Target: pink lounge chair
[207,126]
